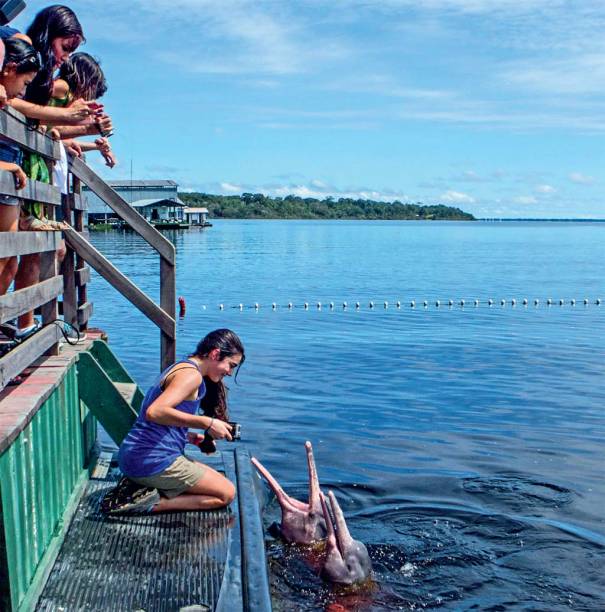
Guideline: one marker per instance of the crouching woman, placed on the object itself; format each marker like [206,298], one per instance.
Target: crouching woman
[152,454]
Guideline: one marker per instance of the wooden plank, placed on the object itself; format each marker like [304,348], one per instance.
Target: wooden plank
[19,302]
[13,363]
[13,125]
[120,282]
[98,186]
[25,243]
[33,190]
[85,313]
[168,305]
[82,276]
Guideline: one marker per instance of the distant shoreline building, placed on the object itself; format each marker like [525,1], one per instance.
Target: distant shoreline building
[156,200]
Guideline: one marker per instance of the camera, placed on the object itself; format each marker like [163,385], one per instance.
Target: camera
[9,9]
[236,431]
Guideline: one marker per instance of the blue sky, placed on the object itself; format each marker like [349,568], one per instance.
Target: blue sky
[495,106]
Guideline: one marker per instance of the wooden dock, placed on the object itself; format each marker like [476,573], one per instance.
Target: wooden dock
[57,552]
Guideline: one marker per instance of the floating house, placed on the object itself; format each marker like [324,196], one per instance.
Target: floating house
[197,215]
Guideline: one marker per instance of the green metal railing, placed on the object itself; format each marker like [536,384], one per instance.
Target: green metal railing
[41,474]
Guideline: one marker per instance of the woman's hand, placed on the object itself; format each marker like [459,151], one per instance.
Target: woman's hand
[73,147]
[195,438]
[17,171]
[220,430]
[3,97]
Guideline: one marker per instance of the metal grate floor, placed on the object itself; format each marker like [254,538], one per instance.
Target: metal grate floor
[138,563]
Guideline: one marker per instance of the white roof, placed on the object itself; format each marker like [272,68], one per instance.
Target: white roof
[195,209]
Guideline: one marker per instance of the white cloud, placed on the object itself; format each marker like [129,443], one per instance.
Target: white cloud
[526,200]
[581,179]
[457,197]
[546,189]
[231,188]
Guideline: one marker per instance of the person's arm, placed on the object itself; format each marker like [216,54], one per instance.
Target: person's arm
[20,176]
[100,124]
[182,386]
[76,114]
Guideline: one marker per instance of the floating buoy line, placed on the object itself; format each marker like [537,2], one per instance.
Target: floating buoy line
[400,304]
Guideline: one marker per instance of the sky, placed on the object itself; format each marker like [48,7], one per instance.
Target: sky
[494,106]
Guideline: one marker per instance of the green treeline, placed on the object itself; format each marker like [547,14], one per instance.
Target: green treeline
[259,206]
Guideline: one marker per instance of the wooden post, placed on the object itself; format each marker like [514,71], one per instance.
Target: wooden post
[80,263]
[49,311]
[168,304]
[68,268]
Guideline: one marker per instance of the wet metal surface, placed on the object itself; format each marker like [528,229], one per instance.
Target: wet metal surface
[157,562]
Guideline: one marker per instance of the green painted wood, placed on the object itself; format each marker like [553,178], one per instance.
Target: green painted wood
[115,369]
[102,398]
[41,475]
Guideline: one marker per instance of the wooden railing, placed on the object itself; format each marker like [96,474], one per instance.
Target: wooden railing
[71,283]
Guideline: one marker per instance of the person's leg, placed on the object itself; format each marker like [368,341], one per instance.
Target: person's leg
[211,491]
[9,222]
[28,274]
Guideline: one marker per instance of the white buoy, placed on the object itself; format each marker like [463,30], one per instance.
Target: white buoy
[344,304]
[413,304]
[561,302]
[274,305]
[573,302]
[476,303]
[306,305]
[331,305]
[598,302]
[461,302]
[386,304]
[290,305]
[513,302]
[241,306]
[371,304]
[549,301]
[502,302]
[524,301]
[256,306]
[357,304]
[490,302]
[437,303]
[585,301]
[398,304]
[221,307]
[536,302]
[450,302]
[425,304]
[318,305]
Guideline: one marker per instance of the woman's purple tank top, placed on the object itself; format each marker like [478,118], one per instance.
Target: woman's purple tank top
[149,448]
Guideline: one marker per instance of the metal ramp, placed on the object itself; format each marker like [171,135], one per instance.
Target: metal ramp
[190,561]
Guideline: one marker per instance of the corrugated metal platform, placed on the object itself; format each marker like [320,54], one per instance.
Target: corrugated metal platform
[188,560]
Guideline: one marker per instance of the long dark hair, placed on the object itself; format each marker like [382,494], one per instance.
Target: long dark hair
[54,21]
[214,402]
[84,76]
[22,54]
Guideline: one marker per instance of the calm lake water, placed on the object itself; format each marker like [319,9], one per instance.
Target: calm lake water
[465,444]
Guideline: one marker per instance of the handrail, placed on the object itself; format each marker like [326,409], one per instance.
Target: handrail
[162,245]
[116,279]
[13,125]
[138,223]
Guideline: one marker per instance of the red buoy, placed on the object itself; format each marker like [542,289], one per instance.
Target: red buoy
[182,307]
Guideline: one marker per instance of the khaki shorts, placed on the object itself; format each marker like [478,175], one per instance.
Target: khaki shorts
[175,479]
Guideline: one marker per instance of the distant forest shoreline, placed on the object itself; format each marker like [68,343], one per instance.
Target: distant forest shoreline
[259,206]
